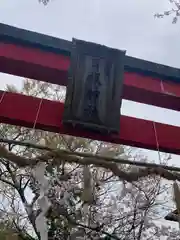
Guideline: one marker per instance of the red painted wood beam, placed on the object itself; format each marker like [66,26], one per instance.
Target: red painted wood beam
[17,109]
[152,91]
[33,63]
[50,67]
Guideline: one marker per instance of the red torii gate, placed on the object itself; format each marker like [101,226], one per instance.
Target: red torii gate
[37,56]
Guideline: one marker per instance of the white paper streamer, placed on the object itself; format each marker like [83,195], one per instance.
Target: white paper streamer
[41,222]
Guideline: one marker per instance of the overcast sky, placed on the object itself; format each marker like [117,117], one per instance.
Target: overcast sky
[123,24]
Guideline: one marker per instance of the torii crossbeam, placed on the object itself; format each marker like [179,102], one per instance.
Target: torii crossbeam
[44,58]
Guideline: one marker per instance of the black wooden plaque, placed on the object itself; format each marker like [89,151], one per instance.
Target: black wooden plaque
[94,91]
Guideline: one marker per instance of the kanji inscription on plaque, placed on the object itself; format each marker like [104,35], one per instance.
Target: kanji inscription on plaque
[94,91]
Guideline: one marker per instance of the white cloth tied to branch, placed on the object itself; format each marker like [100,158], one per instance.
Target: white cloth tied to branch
[43,202]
